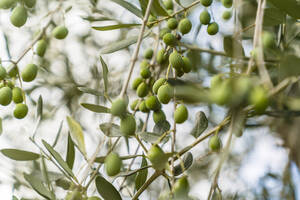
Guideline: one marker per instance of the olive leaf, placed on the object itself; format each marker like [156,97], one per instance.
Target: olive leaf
[149,136]
[37,184]
[273,17]
[201,124]
[45,173]
[39,107]
[111,130]
[105,73]
[70,152]
[90,91]
[291,7]
[141,177]
[77,134]
[63,183]
[131,8]
[156,8]
[187,162]
[106,189]
[114,27]
[161,127]
[95,108]
[19,155]
[58,134]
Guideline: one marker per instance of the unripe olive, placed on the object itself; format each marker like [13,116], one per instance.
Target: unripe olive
[20,111]
[118,107]
[94,198]
[185,26]
[134,104]
[206,3]
[172,23]
[215,143]
[168,4]
[216,81]
[226,15]
[150,20]
[268,40]
[165,93]
[159,116]
[142,90]
[144,63]
[181,114]
[213,28]
[2,73]
[17,95]
[179,72]
[143,108]
[145,72]
[157,157]
[112,164]
[30,3]
[41,47]
[227,3]
[161,57]
[181,188]
[242,87]
[164,31]
[6,4]
[169,39]
[60,32]
[157,85]
[148,53]
[205,17]
[10,84]
[18,16]
[170,12]
[74,195]
[187,67]
[128,125]
[136,82]
[12,70]
[222,94]
[29,72]
[176,60]
[1,85]
[259,99]
[5,96]
[152,103]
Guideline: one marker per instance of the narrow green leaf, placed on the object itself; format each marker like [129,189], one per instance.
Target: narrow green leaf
[187,162]
[39,107]
[63,183]
[70,152]
[58,134]
[90,91]
[46,176]
[37,185]
[105,73]
[58,158]
[156,8]
[94,19]
[132,172]
[19,155]
[106,189]
[131,8]
[77,134]
[111,130]
[149,136]
[95,108]
[141,177]
[114,27]
[161,127]
[201,124]
[291,7]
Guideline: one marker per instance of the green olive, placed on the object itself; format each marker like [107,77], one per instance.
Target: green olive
[168,4]
[215,143]
[150,20]
[17,95]
[185,26]
[134,104]
[5,96]
[136,82]
[259,99]
[30,3]
[179,73]
[222,94]
[152,103]
[161,56]
[10,84]
[181,114]
[169,39]
[159,116]
[227,3]
[112,164]
[3,73]
[145,72]
[213,28]
[128,125]
[143,108]
[148,53]
[118,107]
[94,198]
[144,63]
[142,90]
[172,23]
[205,17]
[157,157]
[206,3]
[18,16]
[187,67]
[60,32]
[29,72]
[268,40]
[20,111]
[157,85]
[6,4]
[226,15]
[181,188]
[165,93]
[163,32]
[12,70]
[176,60]
[74,195]
[41,47]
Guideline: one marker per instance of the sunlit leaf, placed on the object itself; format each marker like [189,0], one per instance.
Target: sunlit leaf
[38,185]
[131,8]
[106,189]
[77,134]
[95,108]
[114,27]
[111,130]
[141,177]
[19,155]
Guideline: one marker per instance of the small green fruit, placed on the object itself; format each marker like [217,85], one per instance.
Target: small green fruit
[17,95]
[3,73]
[157,85]
[112,164]
[205,17]
[181,188]
[20,111]
[187,67]
[18,16]
[128,125]
[179,73]
[185,26]
[227,3]
[5,96]
[181,114]
[163,32]
[216,81]
[143,108]
[168,4]
[60,32]
[150,20]
[259,99]
[165,93]
[159,116]
[136,82]
[29,72]
[161,56]
[30,3]
[145,72]
[74,195]
[215,143]
[221,95]
[12,70]
[134,104]
[10,84]
[169,39]
[148,54]
[118,107]
[142,90]
[157,157]
[41,47]
[172,23]
[242,87]
[170,12]
[213,28]
[6,4]
[268,40]
[152,103]
[206,3]
[226,15]
[94,198]
[176,60]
